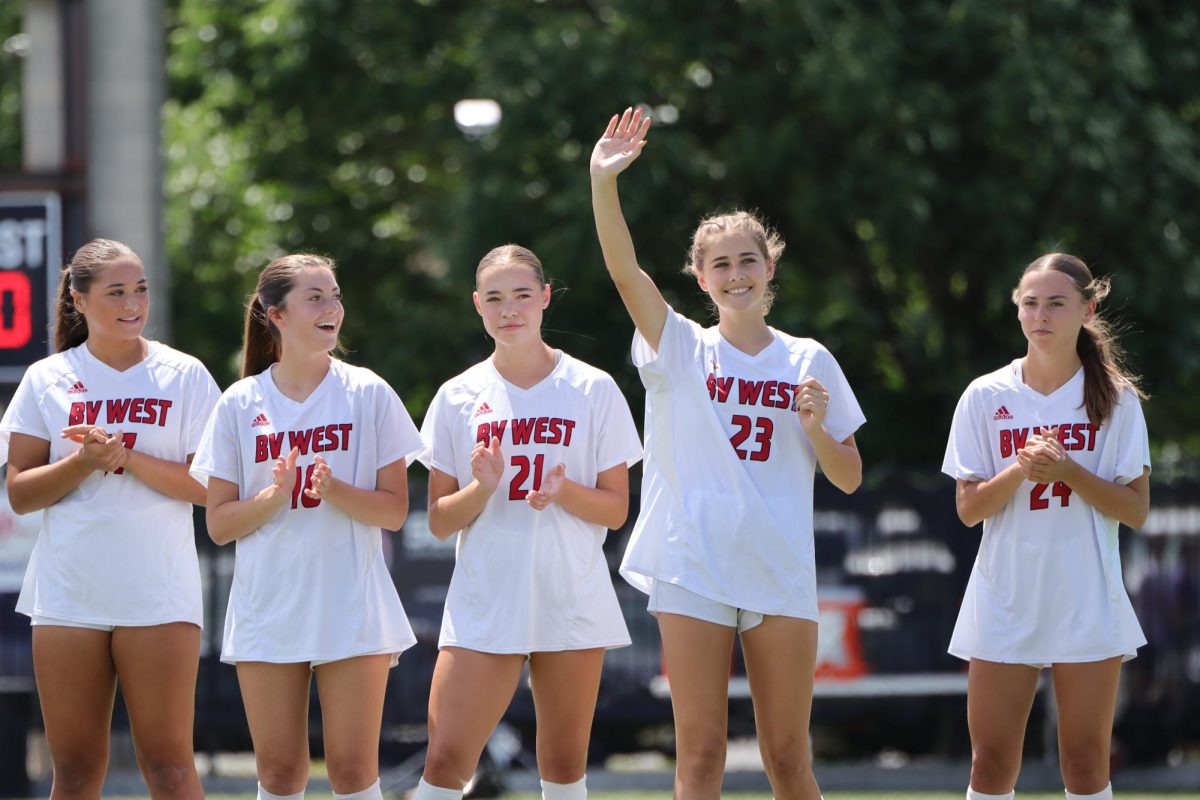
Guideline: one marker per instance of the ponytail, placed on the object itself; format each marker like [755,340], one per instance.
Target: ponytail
[70,328]
[1105,375]
[260,346]
[1104,372]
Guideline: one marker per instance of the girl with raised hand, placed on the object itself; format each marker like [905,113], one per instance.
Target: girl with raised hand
[738,416]
[98,437]
[529,453]
[304,460]
[1051,453]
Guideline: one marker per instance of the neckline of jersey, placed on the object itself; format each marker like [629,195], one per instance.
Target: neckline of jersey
[152,349]
[1019,378]
[544,382]
[269,380]
[742,355]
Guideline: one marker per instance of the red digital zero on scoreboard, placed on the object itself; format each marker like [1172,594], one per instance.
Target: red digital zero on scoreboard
[30,260]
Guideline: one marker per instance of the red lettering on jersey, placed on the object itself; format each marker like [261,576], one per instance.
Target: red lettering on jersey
[487,430]
[521,430]
[267,447]
[768,395]
[719,388]
[1073,438]
[300,439]
[117,409]
[323,439]
[529,430]
[75,415]
[1006,448]
[1020,436]
[163,407]
[785,395]
[344,428]
[748,391]
[136,408]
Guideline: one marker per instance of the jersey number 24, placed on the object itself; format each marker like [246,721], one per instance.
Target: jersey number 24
[1037,502]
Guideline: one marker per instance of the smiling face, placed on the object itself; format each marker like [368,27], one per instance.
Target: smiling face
[310,316]
[1051,310]
[510,299]
[735,273]
[117,302]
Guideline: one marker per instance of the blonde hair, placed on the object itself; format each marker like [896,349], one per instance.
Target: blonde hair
[511,253]
[747,223]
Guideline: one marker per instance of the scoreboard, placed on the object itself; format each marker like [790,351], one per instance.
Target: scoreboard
[30,263]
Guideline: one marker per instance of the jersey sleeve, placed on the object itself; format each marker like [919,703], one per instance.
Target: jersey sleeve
[843,416]
[675,355]
[966,451]
[1132,438]
[218,453]
[201,399]
[618,437]
[437,435]
[398,436]
[24,414]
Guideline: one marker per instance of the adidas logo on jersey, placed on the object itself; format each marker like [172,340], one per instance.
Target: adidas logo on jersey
[78,388]
[260,420]
[483,409]
[1002,413]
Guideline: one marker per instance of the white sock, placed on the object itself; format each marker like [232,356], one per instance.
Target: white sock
[372,792]
[427,791]
[263,794]
[1103,794]
[565,791]
[974,795]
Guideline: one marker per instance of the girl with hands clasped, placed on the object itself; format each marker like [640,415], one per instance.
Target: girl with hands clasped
[304,459]
[1051,453]
[738,416]
[97,438]
[528,455]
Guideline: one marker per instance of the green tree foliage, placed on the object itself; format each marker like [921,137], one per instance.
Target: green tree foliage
[915,155]
[11,49]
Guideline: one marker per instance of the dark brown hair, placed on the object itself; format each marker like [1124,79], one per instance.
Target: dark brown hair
[1104,372]
[70,328]
[715,226]
[514,253]
[260,343]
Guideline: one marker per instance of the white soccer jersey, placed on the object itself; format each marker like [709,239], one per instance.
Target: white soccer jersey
[1046,586]
[310,584]
[524,580]
[113,551]
[727,486]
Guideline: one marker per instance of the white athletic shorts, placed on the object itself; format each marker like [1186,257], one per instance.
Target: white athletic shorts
[673,599]
[395,659]
[38,619]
